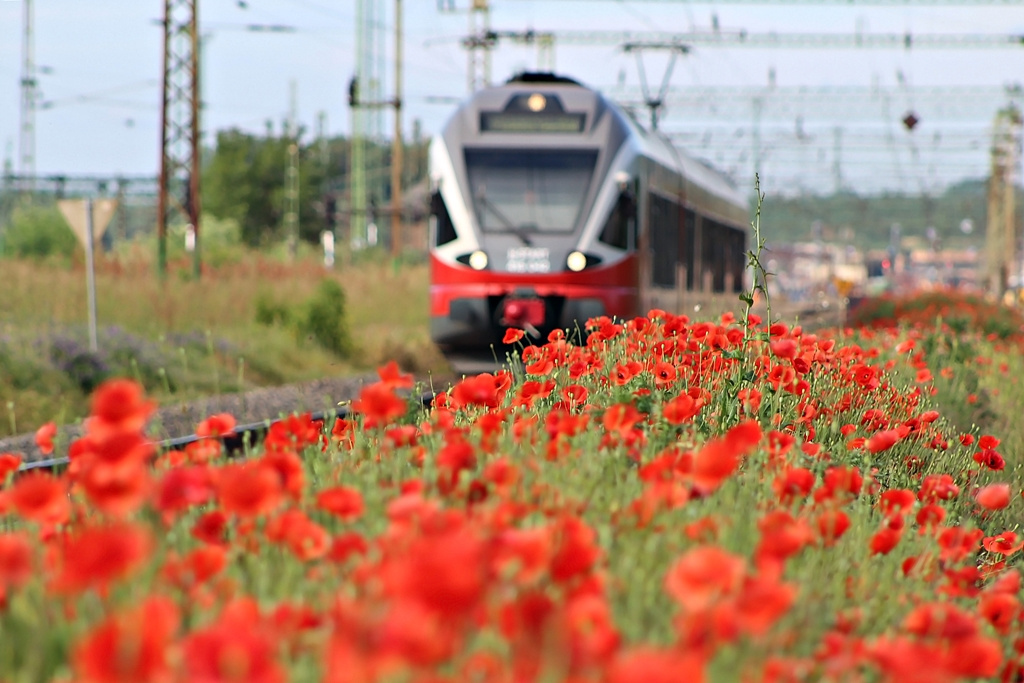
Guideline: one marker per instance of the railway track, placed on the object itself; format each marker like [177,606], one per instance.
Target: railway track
[242,439]
[175,422]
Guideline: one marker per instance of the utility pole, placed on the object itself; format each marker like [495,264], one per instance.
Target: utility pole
[323,148]
[29,96]
[179,122]
[396,145]
[1001,229]
[755,137]
[479,71]
[291,192]
[837,158]
[655,102]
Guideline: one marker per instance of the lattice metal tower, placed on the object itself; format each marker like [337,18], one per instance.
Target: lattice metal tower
[1001,235]
[479,70]
[365,101]
[29,98]
[179,145]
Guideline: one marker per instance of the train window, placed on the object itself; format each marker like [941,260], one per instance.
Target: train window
[739,256]
[664,227]
[616,231]
[723,255]
[444,231]
[688,247]
[524,191]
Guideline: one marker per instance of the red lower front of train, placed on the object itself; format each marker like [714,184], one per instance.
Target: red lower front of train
[473,308]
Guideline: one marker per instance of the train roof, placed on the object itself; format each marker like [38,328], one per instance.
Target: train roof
[650,143]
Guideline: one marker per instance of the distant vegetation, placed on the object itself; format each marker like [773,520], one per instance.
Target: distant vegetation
[865,221]
[244,181]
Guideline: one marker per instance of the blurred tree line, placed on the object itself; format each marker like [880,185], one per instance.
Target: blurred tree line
[244,181]
[957,215]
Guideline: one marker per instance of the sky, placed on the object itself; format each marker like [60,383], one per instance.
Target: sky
[100,68]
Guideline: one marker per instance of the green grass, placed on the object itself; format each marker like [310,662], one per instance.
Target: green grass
[185,338]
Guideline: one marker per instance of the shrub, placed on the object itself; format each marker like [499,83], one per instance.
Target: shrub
[270,312]
[39,232]
[959,312]
[323,319]
[83,367]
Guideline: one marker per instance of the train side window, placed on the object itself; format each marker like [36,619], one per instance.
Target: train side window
[616,230]
[444,231]
[739,248]
[664,226]
[688,247]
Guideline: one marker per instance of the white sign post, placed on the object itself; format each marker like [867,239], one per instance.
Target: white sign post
[89,220]
[327,238]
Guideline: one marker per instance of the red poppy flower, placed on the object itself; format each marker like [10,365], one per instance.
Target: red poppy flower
[116,490]
[784,348]
[9,463]
[344,432]
[211,527]
[248,489]
[197,567]
[883,441]
[930,515]
[937,487]
[993,496]
[341,501]
[221,424]
[1006,543]
[295,432]
[96,557]
[393,377]
[1002,610]
[762,601]
[236,649]
[896,502]
[990,459]
[291,474]
[703,575]
[130,646]
[481,390]
[347,545]
[181,488]
[832,524]
[664,374]
[44,437]
[15,560]
[512,335]
[379,405]
[681,409]
[794,482]
[650,665]
[624,372]
[118,405]
[306,539]
[40,497]
[884,540]
[988,442]
[576,550]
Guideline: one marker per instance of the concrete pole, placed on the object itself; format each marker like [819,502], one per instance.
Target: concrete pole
[90,274]
[396,148]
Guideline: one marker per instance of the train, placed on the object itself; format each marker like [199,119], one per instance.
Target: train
[551,205]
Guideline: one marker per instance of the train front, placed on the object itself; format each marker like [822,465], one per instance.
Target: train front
[533,213]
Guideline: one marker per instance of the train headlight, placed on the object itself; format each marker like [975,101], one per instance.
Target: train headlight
[478,260]
[576,261]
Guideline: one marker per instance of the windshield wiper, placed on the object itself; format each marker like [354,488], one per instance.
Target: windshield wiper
[512,227]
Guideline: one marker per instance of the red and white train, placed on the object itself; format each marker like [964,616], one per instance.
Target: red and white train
[551,205]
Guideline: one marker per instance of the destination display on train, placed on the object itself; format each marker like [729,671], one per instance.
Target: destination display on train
[528,122]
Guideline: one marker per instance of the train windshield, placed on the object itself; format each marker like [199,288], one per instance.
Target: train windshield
[529,191]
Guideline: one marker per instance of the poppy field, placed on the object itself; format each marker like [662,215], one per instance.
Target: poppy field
[670,500]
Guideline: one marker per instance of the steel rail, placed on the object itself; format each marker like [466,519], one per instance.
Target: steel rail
[242,437]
